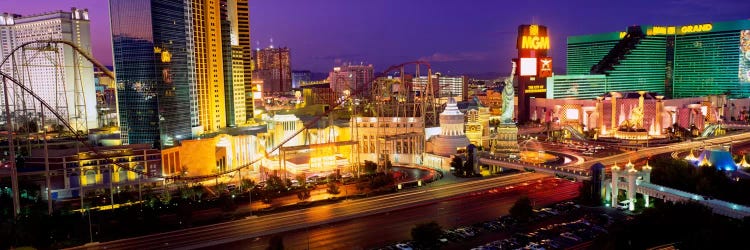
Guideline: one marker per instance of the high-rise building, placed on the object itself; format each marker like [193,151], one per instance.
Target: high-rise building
[106,101]
[354,78]
[209,64]
[239,115]
[675,61]
[153,49]
[299,76]
[274,69]
[447,86]
[243,36]
[59,75]
[234,85]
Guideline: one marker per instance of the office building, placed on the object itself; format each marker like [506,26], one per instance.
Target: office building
[154,66]
[446,86]
[354,78]
[675,61]
[209,64]
[234,63]
[243,37]
[274,69]
[56,73]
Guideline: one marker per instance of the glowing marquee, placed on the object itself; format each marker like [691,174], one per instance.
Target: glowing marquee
[696,28]
[532,40]
[535,89]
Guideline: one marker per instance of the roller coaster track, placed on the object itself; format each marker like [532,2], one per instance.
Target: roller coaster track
[85,54]
[79,136]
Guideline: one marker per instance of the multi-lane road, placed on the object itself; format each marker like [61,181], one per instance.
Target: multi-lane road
[294,220]
[386,228]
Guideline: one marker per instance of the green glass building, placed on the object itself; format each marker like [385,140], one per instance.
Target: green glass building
[675,61]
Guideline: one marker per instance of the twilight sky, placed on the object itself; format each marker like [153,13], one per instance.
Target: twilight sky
[456,36]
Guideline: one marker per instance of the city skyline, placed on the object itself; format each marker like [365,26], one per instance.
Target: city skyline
[483,32]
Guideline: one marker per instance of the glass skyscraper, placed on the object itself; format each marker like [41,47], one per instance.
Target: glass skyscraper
[152,59]
[675,61]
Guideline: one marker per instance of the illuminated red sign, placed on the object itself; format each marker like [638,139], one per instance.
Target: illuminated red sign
[545,67]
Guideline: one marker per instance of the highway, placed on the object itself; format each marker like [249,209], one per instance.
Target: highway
[386,228]
[211,235]
[647,152]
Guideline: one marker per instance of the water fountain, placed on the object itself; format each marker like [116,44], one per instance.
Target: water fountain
[532,152]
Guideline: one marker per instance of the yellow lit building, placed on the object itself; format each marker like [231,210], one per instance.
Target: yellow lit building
[238,85]
[316,150]
[74,168]
[209,66]
[208,156]
[401,139]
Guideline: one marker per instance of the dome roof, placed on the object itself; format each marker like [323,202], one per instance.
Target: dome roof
[451,108]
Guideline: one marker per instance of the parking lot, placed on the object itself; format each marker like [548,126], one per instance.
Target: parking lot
[559,226]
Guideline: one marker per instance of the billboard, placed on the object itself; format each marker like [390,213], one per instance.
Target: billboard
[535,66]
[528,67]
[744,68]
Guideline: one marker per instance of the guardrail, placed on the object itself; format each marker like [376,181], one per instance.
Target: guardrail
[521,165]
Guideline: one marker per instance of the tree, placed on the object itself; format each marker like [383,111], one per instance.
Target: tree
[333,188]
[457,163]
[458,166]
[274,184]
[370,167]
[198,191]
[248,184]
[303,194]
[426,234]
[522,209]
[301,180]
[276,243]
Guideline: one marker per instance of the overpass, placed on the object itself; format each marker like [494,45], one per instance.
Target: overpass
[647,152]
[576,174]
[634,181]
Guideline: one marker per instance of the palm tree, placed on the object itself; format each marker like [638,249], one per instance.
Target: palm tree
[247,184]
[198,191]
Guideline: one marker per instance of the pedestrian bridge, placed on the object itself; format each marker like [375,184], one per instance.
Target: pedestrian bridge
[629,179]
[578,175]
[719,207]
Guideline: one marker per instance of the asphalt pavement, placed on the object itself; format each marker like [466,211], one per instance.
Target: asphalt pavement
[386,228]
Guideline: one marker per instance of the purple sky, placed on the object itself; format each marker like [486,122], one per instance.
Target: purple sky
[457,36]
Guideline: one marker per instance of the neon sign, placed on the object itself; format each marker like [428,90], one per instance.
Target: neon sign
[533,40]
[535,89]
[696,28]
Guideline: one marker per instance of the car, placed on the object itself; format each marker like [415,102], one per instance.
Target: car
[534,246]
[403,246]
[231,187]
[466,232]
[570,236]
[549,210]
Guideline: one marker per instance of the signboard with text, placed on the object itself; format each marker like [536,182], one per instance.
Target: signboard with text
[533,44]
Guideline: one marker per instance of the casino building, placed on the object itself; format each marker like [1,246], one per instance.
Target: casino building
[673,61]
